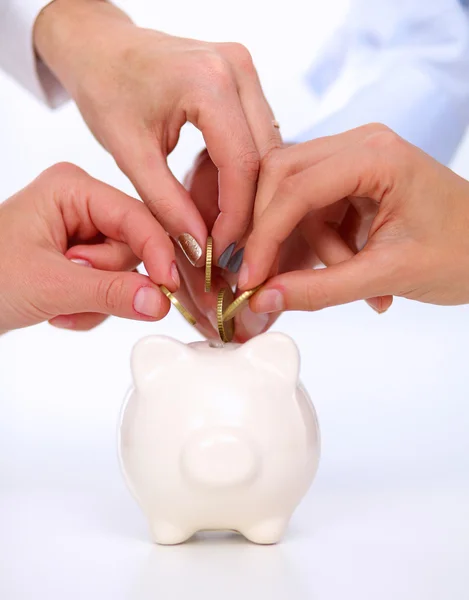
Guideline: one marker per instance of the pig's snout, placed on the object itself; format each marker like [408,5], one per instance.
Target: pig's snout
[220,458]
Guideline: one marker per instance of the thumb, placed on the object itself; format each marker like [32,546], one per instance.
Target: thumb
[361,277]
[122,294]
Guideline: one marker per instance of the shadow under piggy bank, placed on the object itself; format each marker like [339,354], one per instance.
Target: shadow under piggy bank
[218,437]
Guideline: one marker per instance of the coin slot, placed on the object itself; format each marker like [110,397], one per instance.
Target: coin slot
[216,344]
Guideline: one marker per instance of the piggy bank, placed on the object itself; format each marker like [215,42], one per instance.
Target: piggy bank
[217,436]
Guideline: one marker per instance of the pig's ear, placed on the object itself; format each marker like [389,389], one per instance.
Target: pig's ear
[154,354]
[275,353]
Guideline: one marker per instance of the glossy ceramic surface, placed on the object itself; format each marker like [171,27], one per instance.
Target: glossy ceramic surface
[218,437]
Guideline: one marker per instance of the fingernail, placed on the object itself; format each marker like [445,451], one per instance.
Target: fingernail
[80,261]
[376,304]
[243,275]
[175,274]
[226,255]
[253,323]
[235,261]
[269,301]
[147,301]
[63,322]
[190,247]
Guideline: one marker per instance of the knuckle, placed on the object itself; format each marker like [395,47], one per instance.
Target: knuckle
[288,187]
[110,294]
[65,181]
[250,163]
[386,140]
[272,164]
[162,208]
[241,56]
[373,128]
[212,68]
[315,296]
[63,170]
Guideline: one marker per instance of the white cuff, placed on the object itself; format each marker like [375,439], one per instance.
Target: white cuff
[17,55]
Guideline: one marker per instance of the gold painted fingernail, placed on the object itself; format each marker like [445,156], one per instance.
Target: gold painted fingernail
[190,247]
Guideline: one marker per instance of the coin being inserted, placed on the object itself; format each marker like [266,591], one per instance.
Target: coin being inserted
[225,329]
[238,304]
[208,264]
[182,309]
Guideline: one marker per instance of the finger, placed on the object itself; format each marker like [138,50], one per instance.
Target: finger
[258,113]
[357,223]
[78,322]
[202,184]
[233,151]
[108,256]
[331,249]
[298,157]
[123,219]
[361,277]
[122,294]
[295,254]
[168,200]
[356,171]
[307,154]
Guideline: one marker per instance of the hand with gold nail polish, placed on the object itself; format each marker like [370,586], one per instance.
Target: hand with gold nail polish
[136,88]
[68,245]
[417,246]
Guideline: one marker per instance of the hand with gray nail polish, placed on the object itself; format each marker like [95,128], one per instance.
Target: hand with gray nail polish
[417,245]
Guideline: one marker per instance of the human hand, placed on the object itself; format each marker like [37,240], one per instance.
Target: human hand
[63,221]
[418,243]
[202,183]
[137,87]
[337,232]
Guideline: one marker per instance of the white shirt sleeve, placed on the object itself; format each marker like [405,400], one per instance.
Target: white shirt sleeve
[17,56]
[404,63]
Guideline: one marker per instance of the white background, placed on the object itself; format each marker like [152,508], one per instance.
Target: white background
[388,515]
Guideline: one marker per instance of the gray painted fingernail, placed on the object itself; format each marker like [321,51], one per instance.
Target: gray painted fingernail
[235,261]
[226,255]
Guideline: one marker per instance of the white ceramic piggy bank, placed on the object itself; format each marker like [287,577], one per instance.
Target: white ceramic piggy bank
[218,436]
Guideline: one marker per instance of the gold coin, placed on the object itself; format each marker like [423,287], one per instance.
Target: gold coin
[208,264]
[238,304]
[184,312]
[226,330]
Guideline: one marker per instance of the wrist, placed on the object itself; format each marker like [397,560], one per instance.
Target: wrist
[68,32]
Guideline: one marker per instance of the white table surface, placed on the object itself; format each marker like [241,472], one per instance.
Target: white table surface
[405,543]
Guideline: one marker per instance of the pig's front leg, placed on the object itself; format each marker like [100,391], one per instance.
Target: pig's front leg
[267,531]
[169,534]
